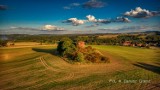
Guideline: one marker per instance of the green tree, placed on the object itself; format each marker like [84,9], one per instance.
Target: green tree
[79,57]
[66,47]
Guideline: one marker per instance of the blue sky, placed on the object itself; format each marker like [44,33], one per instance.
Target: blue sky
[78,16]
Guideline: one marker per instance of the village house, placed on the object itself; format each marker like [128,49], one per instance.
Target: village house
[127,43]
[81,44]
[133,45]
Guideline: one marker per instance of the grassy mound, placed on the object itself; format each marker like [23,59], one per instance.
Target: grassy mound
[75,51]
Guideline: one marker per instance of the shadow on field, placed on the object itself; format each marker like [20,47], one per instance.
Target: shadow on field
[153,68]
[157,63]
[50,51]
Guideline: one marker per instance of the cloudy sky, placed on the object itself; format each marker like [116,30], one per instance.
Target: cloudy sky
[78,16]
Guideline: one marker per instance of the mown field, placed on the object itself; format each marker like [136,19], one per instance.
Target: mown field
[39,68]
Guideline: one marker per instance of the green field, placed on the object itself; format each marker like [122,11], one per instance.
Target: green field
[39,68]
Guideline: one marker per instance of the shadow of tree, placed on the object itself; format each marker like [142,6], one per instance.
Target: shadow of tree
[153,68]
[50,51]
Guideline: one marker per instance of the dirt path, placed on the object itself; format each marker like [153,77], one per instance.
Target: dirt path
[68,76]
[46,65]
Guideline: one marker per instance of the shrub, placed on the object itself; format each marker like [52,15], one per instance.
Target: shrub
[96,58]
[79,57]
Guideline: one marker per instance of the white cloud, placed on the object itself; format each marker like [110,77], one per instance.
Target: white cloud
[23,28]
[71,6]
[105,21]
[51,27]
[122,19]
[75,4]
[13,27]
[66,7]
[75,21]
[91,18]
[141,13]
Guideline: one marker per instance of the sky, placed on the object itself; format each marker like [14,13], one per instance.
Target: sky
[78,16]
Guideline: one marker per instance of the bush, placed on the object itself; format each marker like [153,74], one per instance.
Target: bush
[79,57]
[96,58]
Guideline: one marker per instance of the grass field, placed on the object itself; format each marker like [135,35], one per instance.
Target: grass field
[38,68]
[107,36]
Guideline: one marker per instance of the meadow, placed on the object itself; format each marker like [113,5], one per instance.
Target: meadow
[38,67]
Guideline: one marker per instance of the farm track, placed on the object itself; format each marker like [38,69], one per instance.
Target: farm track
[46,65]
[68,76]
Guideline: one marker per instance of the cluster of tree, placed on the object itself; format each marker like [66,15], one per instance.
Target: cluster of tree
[34,38]
[70,49]
[120,39]
[151,39]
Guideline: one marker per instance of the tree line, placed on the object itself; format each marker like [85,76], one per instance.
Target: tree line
[88,39]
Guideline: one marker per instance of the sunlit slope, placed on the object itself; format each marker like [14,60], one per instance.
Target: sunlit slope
[39,68]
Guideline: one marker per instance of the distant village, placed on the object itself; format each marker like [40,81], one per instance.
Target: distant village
[129,43]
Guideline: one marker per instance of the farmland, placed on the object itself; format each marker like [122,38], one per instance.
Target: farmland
[38,67]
